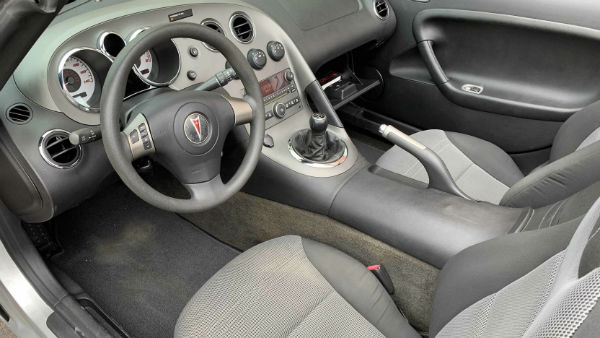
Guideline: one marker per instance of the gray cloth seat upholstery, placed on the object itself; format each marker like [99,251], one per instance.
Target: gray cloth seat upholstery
[291,286]
[487,173]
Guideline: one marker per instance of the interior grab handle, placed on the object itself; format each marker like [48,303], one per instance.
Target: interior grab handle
[439,175]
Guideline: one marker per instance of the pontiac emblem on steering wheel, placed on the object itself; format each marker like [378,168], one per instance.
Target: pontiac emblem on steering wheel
[196,128]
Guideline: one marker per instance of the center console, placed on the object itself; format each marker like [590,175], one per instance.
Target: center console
[280,96]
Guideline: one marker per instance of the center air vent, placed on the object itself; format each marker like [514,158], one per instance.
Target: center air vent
[381,8]
[19,114]
[241,27]
[57,150]
[212,24]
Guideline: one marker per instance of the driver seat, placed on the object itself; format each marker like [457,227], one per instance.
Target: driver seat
[542,283]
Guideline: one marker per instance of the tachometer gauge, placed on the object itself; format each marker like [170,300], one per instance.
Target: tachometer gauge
[78,81]
[144,65]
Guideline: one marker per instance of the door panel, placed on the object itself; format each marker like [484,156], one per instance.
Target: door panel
[526,67]
[538,62]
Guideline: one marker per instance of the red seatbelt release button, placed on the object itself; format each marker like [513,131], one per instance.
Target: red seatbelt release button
[384,278]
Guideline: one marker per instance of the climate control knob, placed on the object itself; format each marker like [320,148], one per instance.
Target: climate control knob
[279,110]
[275,50]
[257,58]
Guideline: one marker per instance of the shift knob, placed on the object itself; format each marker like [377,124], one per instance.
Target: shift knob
[318,123]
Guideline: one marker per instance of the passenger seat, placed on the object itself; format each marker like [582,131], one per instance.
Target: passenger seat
[486,173]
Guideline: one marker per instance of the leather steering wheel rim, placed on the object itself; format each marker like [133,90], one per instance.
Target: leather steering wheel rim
[209,194]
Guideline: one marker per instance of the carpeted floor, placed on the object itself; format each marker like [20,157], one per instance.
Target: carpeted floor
[139,263]
[5,332]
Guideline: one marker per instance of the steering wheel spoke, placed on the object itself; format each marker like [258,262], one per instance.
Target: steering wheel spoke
[210,189]
[242,110]
[138,137]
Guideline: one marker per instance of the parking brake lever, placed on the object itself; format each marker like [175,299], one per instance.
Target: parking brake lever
[439,175]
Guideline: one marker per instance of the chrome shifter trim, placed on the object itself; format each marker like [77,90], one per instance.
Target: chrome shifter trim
[316,164]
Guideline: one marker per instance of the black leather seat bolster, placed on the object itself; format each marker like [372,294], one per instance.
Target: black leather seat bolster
[575,130]
[557,180]
[485,268]
[347,276]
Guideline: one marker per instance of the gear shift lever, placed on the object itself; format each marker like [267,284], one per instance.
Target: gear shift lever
[317,144]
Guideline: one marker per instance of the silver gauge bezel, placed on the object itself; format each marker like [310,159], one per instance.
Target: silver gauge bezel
[215,22]
[132,36]
[61,82]
[233,16]
[101,47]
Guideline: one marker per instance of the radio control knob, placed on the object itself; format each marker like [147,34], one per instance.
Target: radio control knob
[257,58]
[279,110]
[289,76]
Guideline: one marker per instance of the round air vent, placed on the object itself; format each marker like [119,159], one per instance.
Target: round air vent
[241,27]
[381,9]
[214,25]
[18,113]
[57,150]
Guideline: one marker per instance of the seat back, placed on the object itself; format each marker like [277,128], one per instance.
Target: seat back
[574,164]
[558,298]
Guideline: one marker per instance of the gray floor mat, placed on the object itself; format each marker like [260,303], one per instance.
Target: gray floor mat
[139,263]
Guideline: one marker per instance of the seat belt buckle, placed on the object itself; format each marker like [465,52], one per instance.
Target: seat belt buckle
[384,278]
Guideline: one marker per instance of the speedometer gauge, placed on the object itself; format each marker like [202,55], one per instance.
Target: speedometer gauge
[144,65]
[78,81]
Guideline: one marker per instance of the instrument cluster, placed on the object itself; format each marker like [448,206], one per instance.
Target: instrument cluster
[82,71]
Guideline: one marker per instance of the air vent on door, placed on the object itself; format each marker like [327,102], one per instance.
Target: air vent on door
[212,24]
[19,113]
[241,27]
[57,150]
[381,8]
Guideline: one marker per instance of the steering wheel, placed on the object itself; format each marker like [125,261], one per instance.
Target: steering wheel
[182,130]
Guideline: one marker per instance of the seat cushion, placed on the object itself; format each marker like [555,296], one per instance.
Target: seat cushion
[481,169]
[290,286]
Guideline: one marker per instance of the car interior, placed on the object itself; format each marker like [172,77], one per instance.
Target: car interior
[338,168]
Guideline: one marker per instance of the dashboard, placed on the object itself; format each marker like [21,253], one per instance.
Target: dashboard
[58,85]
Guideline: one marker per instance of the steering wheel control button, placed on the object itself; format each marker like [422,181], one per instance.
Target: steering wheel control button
[268,141]
[279,110]
[147,144]
[194,51]
[196,128]
[134,136]
[257,59]
[191,75]
[275,50]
